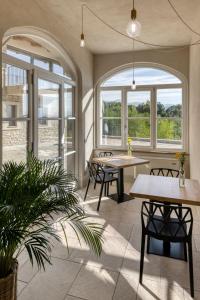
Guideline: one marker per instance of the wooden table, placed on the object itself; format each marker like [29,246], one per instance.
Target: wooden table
[166,189]
[120,162]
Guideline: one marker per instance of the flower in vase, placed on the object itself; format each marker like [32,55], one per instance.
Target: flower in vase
[181,156]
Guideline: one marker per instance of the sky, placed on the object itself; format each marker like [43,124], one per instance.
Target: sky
[147,76]
[143,76]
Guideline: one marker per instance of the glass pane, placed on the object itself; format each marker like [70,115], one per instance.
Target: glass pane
[111,103]
[143,76]
[139,131]
[69,135]
[111,132]
[70,162]
[15,141]
[48,99]
[68,100]
[58,69]
[18,55]
[169,103]
[15,92]
[48,140]
[41,63]
[139,103]
[169,133]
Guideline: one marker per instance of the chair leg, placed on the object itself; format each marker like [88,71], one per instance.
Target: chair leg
[87,189]
[148,238]
[105,189]
[148,244]
[142,257]
[108,188]
[191,268]
[100,195]
[185,251]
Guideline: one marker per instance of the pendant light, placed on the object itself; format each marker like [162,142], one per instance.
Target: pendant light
[134,27]
[133,84]
[82,42]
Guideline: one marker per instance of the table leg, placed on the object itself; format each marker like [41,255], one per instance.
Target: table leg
[122,196]
[121,183]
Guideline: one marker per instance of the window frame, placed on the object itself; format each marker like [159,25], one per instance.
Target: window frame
[153,116]
[33,74]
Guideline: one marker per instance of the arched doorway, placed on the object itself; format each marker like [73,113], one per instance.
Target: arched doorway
[39,94]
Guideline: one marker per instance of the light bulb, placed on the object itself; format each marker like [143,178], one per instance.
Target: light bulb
[133,86]
[82,42]
[133,28]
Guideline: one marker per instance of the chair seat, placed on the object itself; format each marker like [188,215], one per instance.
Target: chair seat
[108,177]
[110,170]
[173,230]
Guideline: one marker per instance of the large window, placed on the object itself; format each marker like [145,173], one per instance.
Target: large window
[38,110]
[152,115]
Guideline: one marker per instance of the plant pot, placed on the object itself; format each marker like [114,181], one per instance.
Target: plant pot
[8,285]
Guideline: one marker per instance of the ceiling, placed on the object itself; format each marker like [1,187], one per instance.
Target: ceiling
[160,25]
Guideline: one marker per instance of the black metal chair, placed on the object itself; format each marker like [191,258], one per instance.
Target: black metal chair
[168,173]
[99,176]
[163,222]
[105,153]
[164,172]
[107,169]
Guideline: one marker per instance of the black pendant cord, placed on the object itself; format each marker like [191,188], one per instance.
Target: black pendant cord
[165,48]
[133,65]
[82,19]
[181,19]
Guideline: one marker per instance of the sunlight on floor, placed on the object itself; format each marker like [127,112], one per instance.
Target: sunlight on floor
[76,273]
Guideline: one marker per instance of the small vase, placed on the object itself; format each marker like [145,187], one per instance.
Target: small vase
[129,151]
[181,177]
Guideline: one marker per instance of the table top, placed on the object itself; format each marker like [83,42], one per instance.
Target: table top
[166,189]
[120,161]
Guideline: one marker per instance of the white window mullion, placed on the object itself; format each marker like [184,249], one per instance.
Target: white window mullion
[124,118]
[153,118]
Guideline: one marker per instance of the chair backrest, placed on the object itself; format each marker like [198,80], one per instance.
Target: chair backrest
[160,219]
[164,172]
[96,171]
[105,153]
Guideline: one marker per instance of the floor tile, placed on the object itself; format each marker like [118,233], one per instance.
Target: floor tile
[26,271]
[52,284]
[126,288]
[73,298]
[20,286]
[94,284]
[149,291]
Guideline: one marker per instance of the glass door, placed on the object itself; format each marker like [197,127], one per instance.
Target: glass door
[69,129]
[48,120]
[15,113]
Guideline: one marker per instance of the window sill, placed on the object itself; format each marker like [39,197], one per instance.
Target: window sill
[145,151]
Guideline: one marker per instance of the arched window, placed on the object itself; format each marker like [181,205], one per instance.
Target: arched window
[38,103]
[153,115]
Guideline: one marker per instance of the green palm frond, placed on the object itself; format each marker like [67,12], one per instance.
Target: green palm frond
[31,194]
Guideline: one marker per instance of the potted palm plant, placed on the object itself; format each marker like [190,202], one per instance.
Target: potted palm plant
[31,195]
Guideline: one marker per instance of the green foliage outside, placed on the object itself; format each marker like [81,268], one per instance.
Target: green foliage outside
[139,120]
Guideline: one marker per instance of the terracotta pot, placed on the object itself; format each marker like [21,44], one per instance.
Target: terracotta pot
[8,285]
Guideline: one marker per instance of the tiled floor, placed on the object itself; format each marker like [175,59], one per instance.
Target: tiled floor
[78,274]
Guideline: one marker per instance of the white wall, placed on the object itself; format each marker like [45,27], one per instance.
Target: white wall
[194,112]
[177,60]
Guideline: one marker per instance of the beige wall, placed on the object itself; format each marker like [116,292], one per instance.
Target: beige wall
[15,13]
[194,112]
[178,60]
